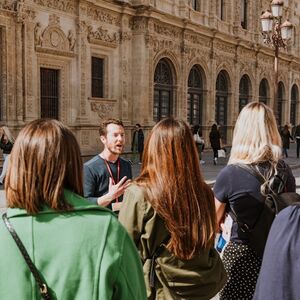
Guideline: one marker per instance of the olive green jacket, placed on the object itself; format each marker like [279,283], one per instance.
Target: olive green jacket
[84,254]
[199,278]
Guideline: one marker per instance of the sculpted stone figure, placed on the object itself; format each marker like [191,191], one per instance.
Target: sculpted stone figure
[72,39]
[38,34]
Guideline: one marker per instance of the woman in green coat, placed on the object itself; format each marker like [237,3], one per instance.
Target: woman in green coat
[169,212]
[80,250]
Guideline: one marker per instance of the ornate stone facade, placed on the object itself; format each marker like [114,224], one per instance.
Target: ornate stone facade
[132,37]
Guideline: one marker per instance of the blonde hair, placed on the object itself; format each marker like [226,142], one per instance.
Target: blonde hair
[255,138]
[8,134]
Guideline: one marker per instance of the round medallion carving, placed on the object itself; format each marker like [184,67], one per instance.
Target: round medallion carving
[54,38]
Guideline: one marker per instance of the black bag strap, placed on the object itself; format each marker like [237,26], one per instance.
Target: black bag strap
[42,285]
[155,255]
[250,169]
[278,184]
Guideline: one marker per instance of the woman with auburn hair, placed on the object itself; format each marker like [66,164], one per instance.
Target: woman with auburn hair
[79,249]
[242,186]
[169,213]
[6,143]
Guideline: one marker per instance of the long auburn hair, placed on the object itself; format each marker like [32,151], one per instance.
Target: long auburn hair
[45,159]
[175,188]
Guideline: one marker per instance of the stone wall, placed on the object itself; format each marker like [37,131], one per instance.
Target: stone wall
[132,36]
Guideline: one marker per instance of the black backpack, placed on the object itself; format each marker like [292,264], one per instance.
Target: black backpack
[275,201]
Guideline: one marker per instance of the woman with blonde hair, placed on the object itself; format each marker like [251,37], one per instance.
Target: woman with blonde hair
[6,143]
[79,249]
[169,213]
[256,146]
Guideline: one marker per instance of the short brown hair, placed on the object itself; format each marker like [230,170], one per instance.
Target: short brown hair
[45,159]
[105,123]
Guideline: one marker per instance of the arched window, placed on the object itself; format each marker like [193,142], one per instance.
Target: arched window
[195,5]
[264,91]
[244,89]
[221,10]
[244,13]
[163,90]
[195,97]
[221,103]
[280,100]
[294,101]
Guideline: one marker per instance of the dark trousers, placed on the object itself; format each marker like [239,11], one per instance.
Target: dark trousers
[298,147]
[215,152]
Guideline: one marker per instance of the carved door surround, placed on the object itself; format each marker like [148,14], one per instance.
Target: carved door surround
[63,66]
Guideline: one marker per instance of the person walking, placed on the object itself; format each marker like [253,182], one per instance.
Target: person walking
[297,137]
[6,144]
[286,137]
[197,134]
[80,250]
[107,175]
[169,213]
[256,145]
[137,145]
[215,141]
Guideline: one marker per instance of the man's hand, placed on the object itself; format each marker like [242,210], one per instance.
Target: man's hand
[114,191]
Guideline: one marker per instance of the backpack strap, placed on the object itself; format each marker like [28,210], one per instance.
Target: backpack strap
[158,251]
[252,170]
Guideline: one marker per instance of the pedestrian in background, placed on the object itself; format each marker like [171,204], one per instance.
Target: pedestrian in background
[169,213]
[6,144]
[137,145]
[79,249]
[286,137]
[215,141]
[297,137]
[200,143]
[256,144]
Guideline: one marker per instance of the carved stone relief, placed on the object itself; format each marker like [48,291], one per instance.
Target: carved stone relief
[103,36]
[197,39]
[166,30]
[103,110]
[53,38]
[63,5]
[8,4]
[138,24]
[85,138]
[72,40]
[227,48]
[158,44]
[102,15]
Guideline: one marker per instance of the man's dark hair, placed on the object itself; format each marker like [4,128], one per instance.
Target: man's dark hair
[105,123]
[138,125]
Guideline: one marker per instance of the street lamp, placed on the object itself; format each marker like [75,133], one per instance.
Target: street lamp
[277,35]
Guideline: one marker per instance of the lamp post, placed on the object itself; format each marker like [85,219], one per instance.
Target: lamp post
[276,34]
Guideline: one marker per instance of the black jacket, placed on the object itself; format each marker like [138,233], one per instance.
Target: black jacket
[6,147]
[140,140]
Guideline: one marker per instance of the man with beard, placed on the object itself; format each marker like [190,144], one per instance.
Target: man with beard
[107,175]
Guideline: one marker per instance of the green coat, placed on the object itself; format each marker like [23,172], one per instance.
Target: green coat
[84,254]
[199,278]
